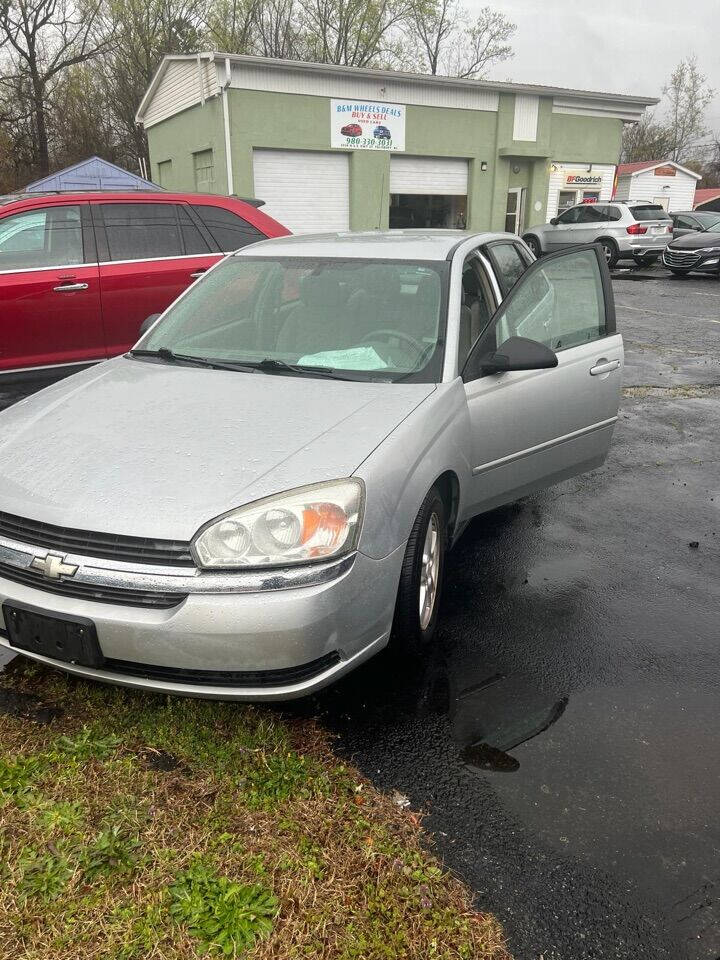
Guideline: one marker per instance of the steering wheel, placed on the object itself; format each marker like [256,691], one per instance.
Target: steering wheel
[387,333]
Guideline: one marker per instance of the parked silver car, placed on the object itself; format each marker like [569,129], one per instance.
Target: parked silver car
[637,231]
[249,502]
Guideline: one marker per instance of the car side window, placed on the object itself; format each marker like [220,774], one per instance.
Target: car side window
[49,237]
[228,229]
[590,213]
[686,222]
[475,307]
[193,241]
[509,265]
[613,213]
[561,304]
[141,231]
[570,216]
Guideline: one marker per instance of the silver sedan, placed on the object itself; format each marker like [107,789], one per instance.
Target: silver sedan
[263,491]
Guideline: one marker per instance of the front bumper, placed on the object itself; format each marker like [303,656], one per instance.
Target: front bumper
[271,642]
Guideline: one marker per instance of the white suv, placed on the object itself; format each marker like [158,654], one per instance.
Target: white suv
[637,231]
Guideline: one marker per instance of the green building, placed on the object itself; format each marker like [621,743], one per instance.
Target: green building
[337,148]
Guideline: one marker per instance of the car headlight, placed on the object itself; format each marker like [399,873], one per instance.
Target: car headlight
[710,250]
[317,522]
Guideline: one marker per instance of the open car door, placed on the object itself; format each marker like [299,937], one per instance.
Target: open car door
[535,427]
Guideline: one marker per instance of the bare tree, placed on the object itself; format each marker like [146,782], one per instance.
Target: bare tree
[44,38]
[351,32]
[688,98]
[647,140]
[231,25]
[452,43]
[277,30]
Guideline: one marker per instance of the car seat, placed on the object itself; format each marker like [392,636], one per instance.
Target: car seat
[320,321]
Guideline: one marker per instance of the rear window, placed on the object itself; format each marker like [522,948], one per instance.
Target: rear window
[651,212]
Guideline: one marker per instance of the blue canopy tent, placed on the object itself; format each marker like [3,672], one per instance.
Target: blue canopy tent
[92,174]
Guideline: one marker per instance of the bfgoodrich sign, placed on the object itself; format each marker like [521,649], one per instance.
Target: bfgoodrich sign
[358,125]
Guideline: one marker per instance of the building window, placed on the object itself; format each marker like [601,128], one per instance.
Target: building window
[566,199]
[427,210]
[164,172]
[204,170]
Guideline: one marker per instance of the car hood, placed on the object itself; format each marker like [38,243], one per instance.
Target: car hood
[145,449]
[694,241]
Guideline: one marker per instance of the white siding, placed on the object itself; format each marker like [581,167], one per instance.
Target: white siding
[623,188]
[429,175]
[180,88]
[257,77]
[306,191]
[646,186]
[526,117]
[557,182]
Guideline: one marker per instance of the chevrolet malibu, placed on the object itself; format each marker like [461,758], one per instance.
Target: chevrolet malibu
[252,500]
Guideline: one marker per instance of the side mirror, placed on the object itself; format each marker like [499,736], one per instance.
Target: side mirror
[554,221]
[147,323]
[519,353]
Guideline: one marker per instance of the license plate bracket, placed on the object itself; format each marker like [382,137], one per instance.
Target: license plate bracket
[54,635]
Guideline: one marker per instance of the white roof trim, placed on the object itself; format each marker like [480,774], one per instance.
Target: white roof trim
[622,105]
[663,163]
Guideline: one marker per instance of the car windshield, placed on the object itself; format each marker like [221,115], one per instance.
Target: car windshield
[707,218]
[370,319]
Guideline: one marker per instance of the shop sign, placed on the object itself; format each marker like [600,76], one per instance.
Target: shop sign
[365,125]
[580,178]
[665,171]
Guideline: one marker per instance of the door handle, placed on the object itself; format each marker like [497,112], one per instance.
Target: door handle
[604,366]
[70,287]
[198,273]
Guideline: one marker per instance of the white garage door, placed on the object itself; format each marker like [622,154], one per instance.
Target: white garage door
[432,175]
[306,191]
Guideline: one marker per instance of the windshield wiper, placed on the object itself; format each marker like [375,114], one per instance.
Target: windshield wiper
[281,366]
[169,356]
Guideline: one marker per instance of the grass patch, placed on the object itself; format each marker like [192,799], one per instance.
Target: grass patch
[137,826]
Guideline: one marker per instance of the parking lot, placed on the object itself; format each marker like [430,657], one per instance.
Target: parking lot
[562,738]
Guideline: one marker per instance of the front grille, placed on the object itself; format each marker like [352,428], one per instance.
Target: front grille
[86,591]
[681,258]
[107,546]
[226,678]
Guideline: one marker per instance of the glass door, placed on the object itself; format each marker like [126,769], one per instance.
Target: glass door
[514,210]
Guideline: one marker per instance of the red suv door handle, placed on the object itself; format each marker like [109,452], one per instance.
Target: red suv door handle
[70,287]
[198,273]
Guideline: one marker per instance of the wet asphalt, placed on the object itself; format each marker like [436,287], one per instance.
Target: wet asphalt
[563,735]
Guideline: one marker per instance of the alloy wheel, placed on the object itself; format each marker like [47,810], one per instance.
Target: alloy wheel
[429,571]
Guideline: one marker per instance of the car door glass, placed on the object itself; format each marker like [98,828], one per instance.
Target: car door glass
[560,304]
[686,223]
[475,310]
[509,266]
[193,240]
[50,237]
[228,230]
[141,231]
[591,214]
[570,216]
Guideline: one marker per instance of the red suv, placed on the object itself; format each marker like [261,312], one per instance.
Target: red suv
[79,272]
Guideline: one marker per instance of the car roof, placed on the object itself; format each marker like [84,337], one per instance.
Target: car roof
[371,244]
[32,198]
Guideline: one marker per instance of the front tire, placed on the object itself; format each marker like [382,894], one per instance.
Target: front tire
[534,245]
[418,599]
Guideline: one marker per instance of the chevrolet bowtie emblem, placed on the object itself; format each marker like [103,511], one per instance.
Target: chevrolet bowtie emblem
[54,566]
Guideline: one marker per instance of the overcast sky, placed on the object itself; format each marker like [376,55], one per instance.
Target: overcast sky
[619,46]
